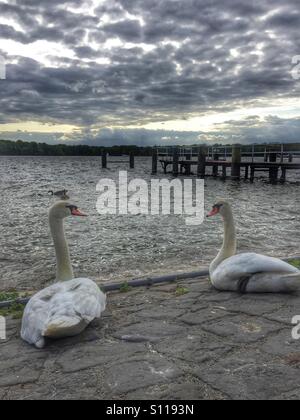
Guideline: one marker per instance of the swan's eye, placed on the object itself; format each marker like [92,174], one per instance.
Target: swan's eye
[218,206]
[72,208]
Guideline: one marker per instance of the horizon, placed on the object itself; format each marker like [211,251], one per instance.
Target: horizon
[149,73]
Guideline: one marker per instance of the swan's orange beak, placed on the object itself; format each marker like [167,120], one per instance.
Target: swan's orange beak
[214,212]
[77,212]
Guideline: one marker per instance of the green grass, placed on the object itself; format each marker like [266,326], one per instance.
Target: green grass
[5,296]
[180,291]
[125,288]
[15,310]
[295,263]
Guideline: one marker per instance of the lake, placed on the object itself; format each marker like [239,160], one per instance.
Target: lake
[109,248]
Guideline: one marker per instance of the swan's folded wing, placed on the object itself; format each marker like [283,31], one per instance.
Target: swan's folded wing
[247,264]
[36,314]
[88,300]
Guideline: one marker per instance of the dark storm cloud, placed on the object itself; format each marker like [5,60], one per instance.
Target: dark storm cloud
[180,59]
[129,30]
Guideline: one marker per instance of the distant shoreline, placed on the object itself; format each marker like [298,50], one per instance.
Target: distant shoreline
[22,148]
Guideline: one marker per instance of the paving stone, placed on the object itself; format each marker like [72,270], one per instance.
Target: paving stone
[251,376]
[132,375]
[242,328]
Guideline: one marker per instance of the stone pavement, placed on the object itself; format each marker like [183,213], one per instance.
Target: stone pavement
[152,344]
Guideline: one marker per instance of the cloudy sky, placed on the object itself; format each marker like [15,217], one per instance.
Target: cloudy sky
[150,71]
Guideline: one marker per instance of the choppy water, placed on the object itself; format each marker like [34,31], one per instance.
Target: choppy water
[113,248]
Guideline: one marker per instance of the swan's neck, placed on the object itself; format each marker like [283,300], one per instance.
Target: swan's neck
[64,269]
[229,243]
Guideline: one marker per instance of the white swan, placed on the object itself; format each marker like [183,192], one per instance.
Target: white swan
[248,272]
[67,307]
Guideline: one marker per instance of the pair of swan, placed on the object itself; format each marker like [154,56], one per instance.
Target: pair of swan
[67,307]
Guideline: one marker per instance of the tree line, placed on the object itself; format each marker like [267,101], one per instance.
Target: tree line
[21,148]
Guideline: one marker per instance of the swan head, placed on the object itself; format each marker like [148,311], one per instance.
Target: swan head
[63,209]
[221,207]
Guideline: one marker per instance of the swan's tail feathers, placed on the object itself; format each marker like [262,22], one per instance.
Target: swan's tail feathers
[64,327]
[292,282]
[40,344]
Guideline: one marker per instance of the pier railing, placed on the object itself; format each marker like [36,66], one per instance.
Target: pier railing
[248,152]
[250,158]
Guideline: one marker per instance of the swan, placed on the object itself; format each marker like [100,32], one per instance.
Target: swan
[67,307]
[248,272]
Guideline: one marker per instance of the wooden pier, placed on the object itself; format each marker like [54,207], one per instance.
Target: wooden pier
[236,162]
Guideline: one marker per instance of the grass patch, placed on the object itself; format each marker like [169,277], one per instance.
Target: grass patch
[180,291]
[295,263]
[15,311]
[125,288]
[5,296]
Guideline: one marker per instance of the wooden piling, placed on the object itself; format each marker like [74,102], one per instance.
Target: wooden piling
[201,163]
[236,163]
[154,161]
[224,172]
[252,174]
[104,159]
[283,175]
[273,172]
[175,161]
[215,167]
[131,160]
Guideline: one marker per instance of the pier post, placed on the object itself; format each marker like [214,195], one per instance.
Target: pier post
[215,167]
[201,163]
[266,156]
[236,162]
[175,161]
[104,159]
[131,160]
[283,175]
[252,174]
[154,161]
[224,172]
[273,172]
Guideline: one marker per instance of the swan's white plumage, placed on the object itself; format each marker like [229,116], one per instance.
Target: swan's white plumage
[62,310]
[68,306]
[264,273]
[248,272]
